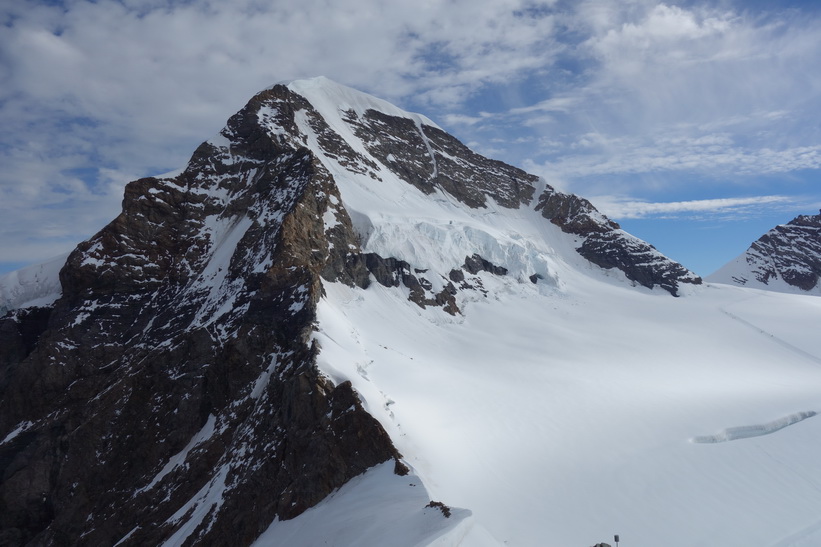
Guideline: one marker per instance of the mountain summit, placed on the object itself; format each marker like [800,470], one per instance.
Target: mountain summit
[171,390]
[786,259]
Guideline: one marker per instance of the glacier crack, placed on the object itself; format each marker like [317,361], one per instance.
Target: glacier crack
[747,431]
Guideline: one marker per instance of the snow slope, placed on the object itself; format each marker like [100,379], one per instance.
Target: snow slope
[377,508]
[563,412]
[563,420]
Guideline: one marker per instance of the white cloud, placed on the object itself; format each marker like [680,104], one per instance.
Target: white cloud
[91,90]
[703,155]
[554,104]
[461,119]
[696,88]
[623,208]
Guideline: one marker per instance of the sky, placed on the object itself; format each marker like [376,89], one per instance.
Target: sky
[695,125]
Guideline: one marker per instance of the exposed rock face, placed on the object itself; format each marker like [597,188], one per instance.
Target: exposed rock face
[427,157]
[172,388]
[789,252]
[608,246]
[171,392]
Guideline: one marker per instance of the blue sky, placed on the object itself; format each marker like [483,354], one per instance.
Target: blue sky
[695,125]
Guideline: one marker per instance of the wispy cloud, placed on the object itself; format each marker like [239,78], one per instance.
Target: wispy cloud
[702,88]
[554,104]
[698,155]
[462,119]
[624,208]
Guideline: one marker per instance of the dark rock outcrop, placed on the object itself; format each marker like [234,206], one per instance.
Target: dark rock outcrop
[790,252]
[475,264]
[606,245]
[429,158]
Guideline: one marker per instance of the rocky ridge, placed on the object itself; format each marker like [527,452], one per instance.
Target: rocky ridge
[606,245]
[171,394]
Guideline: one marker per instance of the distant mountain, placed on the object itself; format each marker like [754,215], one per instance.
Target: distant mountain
[36,285]
[785,259]
[169,392]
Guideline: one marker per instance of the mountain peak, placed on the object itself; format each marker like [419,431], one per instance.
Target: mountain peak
[375,149]
[330,97]
[190,320]
[786,259]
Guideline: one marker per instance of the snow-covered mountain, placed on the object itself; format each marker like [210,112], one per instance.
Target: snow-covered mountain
[340,326]
[37,285]
[785,259]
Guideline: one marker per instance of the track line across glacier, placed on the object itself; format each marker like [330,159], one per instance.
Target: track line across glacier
[772,336]
[803,538]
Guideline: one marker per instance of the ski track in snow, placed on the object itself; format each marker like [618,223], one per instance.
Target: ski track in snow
[747,431]
[807,537]
[772,336]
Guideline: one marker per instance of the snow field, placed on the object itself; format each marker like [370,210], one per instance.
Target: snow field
[563,412]
[563,419]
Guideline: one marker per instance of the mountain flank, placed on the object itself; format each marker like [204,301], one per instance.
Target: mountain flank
[168,392]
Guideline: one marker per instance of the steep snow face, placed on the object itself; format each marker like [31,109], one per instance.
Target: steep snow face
[785,259]
[565,418]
